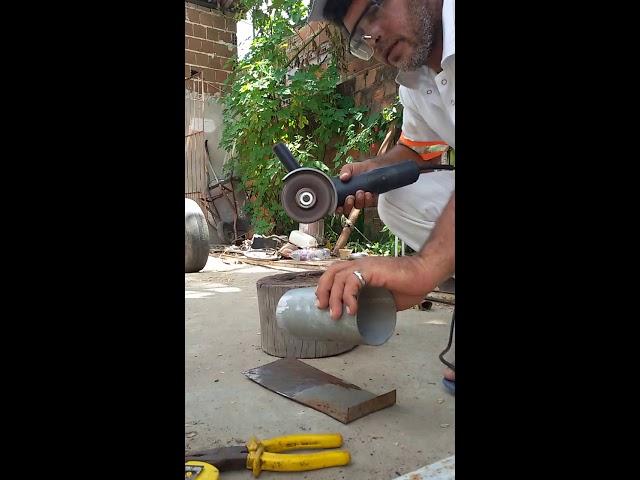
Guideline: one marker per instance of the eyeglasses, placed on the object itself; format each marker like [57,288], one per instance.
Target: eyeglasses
[358,45]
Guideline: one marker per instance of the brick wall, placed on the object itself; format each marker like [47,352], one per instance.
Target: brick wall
[209,43]
[370,84]
[313,52]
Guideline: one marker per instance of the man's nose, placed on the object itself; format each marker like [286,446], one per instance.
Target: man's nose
[373,36]
[372,39]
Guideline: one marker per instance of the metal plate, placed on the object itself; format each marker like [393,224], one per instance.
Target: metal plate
[314,388]
[442,470]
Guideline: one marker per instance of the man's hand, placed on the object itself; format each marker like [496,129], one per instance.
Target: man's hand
[361,199]
[407,278]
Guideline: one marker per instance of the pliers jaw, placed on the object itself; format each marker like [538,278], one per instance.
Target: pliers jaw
[223,458]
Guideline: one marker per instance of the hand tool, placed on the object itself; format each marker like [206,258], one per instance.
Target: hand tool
[309,195]
[258,455]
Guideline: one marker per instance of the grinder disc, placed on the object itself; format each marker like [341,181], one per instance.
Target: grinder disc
[308,195]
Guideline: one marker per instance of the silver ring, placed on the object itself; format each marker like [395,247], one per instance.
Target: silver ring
[360,278]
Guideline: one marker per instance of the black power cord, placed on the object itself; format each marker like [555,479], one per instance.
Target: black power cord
[429,168]
[444,352]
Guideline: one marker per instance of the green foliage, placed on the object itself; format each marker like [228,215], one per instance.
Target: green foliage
[270,101]
[384,245]
[364,132]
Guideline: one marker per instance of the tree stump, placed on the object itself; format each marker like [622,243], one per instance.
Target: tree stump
[276,341]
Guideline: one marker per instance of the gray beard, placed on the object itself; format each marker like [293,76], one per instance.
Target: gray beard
[424,28]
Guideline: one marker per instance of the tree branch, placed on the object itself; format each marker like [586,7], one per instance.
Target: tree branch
[306,44]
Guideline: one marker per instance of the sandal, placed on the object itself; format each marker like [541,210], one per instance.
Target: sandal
[450,385]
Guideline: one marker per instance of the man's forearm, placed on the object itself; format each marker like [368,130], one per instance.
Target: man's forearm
[400,153]
[438,253]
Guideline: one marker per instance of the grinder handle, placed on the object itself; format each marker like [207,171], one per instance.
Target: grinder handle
[379,180]
[286,157]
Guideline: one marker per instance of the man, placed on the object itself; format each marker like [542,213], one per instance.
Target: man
[418,38]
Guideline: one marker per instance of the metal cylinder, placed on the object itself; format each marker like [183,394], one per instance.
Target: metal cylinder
[372,325]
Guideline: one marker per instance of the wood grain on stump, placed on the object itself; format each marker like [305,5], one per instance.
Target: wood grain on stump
[276,341]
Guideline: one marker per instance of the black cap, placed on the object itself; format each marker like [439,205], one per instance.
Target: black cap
[328,10]
[316,10]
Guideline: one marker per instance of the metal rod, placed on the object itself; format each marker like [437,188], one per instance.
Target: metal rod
[374,323]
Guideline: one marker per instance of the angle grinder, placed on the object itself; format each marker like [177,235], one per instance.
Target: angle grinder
[308,194]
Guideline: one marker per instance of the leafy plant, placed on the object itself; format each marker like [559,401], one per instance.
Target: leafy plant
[384,245]
[277,94]
[371,131]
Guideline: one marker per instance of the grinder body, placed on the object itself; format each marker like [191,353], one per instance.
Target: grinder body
[309,195]
[380,180]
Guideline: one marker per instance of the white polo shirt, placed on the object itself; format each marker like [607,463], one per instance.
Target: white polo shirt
[429,115]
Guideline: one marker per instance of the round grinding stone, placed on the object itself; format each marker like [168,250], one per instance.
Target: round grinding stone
[319,184]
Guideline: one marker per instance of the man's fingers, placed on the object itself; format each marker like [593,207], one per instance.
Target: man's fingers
[368,199]
[345,172]
[335,300]
[323,290]
[349,201]
[350,294]
[360,200]
[325,284]
[348,205]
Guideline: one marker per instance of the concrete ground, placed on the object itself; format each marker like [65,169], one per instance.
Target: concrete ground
[223,407]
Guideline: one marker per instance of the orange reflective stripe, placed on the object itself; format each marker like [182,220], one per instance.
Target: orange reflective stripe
[426,150]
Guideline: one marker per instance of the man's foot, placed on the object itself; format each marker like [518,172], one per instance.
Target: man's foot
[449,381]
[448,286]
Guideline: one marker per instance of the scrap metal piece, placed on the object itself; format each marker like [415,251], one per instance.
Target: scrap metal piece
[314,388]
[442,470]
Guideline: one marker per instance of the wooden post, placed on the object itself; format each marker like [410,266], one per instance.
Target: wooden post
[346,231]
[276,341]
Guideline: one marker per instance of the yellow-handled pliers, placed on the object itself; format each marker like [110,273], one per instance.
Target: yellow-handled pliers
[258,455]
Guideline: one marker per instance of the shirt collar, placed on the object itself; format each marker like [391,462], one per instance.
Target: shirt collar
[448,30]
